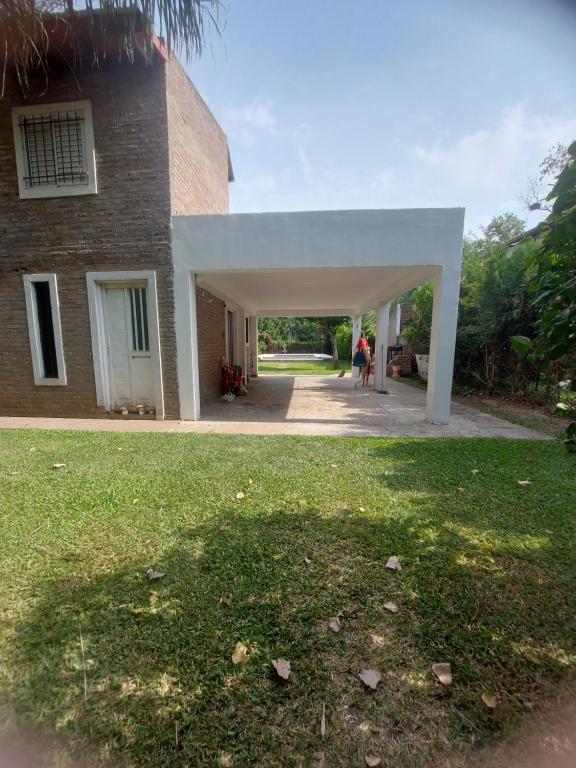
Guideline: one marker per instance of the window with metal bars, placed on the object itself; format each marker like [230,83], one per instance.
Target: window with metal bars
[55,150]
[139,316]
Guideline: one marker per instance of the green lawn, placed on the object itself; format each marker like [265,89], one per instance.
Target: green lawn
[302,368]
[141,674]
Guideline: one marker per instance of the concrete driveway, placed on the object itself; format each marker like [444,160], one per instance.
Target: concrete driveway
[309,405]
[329,405]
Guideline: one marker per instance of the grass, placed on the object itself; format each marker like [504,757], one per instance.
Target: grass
[539,424]
[140,674]
[301,368]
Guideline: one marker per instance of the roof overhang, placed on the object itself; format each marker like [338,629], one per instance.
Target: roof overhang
[95,35]
[319,262]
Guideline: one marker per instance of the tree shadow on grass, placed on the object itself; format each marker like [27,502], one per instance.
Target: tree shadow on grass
[141,671]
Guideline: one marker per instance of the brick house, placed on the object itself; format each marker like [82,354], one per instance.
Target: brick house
[91,174]
[124,280]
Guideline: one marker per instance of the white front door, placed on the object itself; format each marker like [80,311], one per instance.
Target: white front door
[131,373]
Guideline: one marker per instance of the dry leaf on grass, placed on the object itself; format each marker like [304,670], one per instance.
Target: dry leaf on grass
[240,653]
[154,575]
[334,465]
[489,699]
[461,488]
[443,672]
[361,509]
[323,720]
[370,678]
[372,761]
[524,482]
[392,607]
[138,611]
[224,527]
[334,624]
[307,561]
[240,495]
[282,668]
[393,563]
[58,466]
[474,471]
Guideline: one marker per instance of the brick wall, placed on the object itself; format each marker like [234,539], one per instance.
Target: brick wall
[211,343]
[125,226]
[405,362]
[198,150]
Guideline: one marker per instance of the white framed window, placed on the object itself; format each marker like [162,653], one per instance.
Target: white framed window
[230,336]
[55,149]
[44,329]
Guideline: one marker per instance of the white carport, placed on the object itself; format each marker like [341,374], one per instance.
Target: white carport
[320,264]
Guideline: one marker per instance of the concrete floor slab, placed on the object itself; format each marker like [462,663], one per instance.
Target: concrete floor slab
[310,405]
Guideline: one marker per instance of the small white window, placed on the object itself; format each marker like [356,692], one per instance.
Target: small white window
[55,149]
[44,329]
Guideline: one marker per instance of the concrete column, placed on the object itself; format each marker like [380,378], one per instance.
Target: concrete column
[394,326]
[186,343]
[241,338]
[381,351]
[442,346]
[253,346]
[356,331]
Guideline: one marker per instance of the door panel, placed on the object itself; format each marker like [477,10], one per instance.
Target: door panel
[130,361]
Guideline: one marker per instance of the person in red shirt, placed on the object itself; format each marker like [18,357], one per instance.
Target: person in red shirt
[362,354]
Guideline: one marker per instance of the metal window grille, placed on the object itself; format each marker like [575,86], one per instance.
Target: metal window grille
[139,315]
[54,149]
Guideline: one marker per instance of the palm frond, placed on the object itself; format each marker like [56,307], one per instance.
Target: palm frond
[32,31]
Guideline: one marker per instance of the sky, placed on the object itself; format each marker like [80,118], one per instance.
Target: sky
[332,104]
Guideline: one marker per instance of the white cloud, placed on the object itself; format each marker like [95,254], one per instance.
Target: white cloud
[485,170]
[488,169]
[244,124]
[255,115]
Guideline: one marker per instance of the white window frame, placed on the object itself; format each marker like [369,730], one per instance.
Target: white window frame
[96,282]
[53,190]
[34,330]
[230,341]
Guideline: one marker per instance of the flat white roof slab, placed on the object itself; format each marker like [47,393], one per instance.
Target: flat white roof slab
[316,239]
[318,262]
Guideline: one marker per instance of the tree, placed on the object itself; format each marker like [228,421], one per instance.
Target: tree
[536,197]
[417,333]
[329,327]
[504,228]
[554,281]
[494,304]
[31,29]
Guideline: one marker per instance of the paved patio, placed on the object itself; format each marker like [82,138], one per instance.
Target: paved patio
[310,405]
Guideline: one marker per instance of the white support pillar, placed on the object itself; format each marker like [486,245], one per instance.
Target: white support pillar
[442,346]
[253,346]
[186,343]
[381,351]
[240,345]
[356,331]
[394,326]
